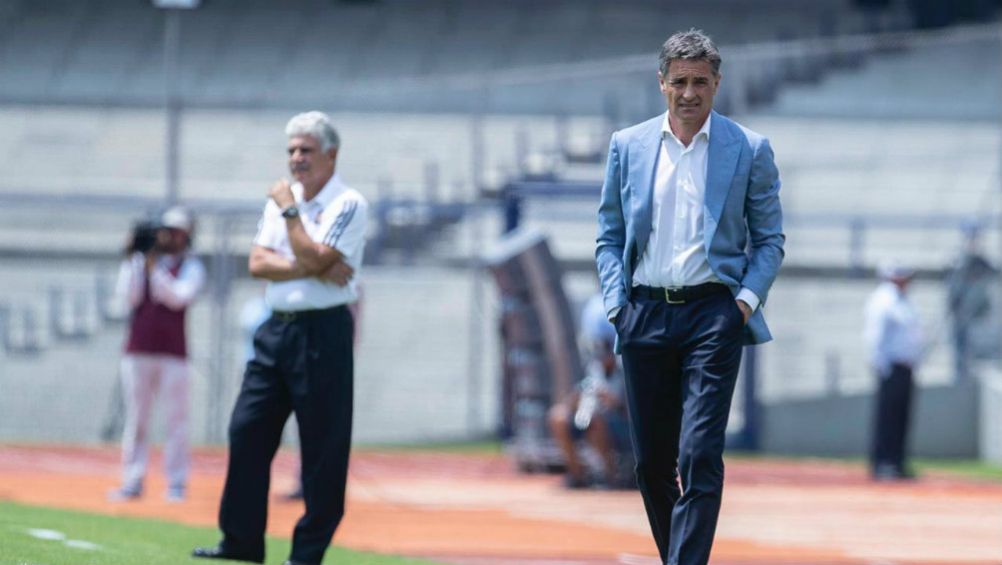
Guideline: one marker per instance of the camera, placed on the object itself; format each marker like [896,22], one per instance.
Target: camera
[144,236]
[148,233]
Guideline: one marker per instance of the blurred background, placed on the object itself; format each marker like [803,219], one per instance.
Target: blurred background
[463,121]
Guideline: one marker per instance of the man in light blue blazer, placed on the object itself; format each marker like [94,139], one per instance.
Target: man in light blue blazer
[690,240]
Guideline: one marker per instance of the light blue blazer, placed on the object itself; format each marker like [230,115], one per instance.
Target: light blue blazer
[743,220]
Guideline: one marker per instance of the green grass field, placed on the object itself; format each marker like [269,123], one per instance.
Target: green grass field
[960,468]
[76,538]
[472,447]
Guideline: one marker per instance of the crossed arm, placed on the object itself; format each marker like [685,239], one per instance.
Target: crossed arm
[267,264]
[312,259]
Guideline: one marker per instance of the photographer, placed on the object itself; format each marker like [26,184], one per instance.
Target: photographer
[159,280]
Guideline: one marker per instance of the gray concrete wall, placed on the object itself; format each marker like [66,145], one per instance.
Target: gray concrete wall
[991,417]
[421,338]
[944,423]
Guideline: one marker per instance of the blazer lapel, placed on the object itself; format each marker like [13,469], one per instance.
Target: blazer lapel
[645,161]
[721,161]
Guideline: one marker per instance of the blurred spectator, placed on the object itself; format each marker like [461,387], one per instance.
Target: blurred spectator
[253,313]
[894,339]
[596,409]
[969,301]
[159,279]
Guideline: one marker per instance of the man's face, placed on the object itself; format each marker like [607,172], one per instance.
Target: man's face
[307,163]
[689,89]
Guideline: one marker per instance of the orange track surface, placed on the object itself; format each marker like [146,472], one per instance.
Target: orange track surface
[475,510]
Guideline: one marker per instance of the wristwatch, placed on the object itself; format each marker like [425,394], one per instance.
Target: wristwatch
[290,212]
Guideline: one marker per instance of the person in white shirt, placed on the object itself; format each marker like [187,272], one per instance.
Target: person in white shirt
[309,248]
[690,240]
[894,341]
[159,281]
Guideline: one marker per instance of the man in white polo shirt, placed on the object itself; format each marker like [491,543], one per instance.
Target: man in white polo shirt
[308,248]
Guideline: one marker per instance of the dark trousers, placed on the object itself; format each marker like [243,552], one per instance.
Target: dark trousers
[893,410]
[961,349]
[681,362]
[301,365]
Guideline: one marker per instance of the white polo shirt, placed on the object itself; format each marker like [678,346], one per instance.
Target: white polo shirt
[337,217]
[892,330]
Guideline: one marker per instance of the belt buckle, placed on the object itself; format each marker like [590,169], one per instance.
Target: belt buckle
[668,291]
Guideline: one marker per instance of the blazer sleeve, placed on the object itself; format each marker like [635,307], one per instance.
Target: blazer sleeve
[611,234]
[765,223]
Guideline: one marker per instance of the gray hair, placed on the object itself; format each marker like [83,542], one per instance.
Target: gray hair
[316,125]
[692,45]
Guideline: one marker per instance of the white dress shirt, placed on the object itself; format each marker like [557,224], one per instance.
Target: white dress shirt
[336,217]
[676,254]
[892,330]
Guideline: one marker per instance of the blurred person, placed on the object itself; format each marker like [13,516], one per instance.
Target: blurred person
[159,280]
[690,241]
[308,247]
[968,300]
[596,409]
[254,312]
[894,341]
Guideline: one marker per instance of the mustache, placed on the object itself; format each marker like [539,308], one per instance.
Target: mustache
[299,167]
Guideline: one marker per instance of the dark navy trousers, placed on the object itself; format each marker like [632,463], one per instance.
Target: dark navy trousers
[891,418]
[681,363]
[302,365]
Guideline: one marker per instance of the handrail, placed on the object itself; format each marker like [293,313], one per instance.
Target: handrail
[589,191]
[758,51]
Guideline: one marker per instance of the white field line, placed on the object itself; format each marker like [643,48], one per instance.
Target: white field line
[56,535]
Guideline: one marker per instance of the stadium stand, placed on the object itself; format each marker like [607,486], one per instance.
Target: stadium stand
[255,54]
[875,165]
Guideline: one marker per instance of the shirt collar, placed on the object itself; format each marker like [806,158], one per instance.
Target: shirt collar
[324,197]
[703,131]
